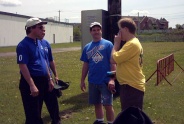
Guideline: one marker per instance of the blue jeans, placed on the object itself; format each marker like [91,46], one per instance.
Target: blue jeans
[100,94]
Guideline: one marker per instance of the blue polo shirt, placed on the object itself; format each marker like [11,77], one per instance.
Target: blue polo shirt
[97,55]
[47,49]
[32,54]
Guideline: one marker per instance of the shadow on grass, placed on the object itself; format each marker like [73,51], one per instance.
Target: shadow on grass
[79,102]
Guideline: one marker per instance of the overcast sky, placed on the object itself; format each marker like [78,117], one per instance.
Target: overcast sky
[171,10]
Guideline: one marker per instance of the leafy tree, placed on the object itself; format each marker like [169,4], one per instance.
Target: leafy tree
[76,33]
[178,26]
[182,26]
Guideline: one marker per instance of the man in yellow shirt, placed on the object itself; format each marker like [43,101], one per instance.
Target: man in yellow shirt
[129,65]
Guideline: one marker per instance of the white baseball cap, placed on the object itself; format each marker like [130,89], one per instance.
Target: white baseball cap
[95,24]
[34,21]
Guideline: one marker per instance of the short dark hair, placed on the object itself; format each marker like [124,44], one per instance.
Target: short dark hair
[28,30]
[128,23]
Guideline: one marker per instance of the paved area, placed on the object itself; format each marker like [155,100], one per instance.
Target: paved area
[56,50]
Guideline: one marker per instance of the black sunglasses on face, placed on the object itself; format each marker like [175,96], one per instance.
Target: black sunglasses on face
[40,27]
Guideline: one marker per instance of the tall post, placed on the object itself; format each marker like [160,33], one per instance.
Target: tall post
[114,9]
[138,30]
[59,15]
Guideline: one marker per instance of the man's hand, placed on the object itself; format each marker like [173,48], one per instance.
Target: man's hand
[111,86]
[83,86]
[117,41]
[34,91]
[51,85]
[56,80]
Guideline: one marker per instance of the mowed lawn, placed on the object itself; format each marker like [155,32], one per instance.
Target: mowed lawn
[162,103]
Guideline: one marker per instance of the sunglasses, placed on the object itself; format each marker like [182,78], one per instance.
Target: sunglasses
[40,27]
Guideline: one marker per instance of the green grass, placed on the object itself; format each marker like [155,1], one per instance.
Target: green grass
[66,45]
[163,103]
[58,45]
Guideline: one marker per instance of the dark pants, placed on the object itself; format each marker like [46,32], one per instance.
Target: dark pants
[130,96]
[51,102]
[33,105]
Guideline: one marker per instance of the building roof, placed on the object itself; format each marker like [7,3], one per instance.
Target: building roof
[152,19]
[27,17]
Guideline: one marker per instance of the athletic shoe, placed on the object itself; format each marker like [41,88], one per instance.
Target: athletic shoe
[99,122]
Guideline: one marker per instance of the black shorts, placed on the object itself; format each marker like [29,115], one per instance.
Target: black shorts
[130,96]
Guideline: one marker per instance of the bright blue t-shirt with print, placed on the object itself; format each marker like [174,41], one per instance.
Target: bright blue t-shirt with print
[32,54]
[97,55]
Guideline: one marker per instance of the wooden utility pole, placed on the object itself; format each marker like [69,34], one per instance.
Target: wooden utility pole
[114,9]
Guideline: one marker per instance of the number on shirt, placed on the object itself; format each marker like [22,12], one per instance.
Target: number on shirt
[20,57]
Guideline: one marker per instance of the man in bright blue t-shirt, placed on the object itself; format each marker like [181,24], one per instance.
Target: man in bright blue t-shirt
[96,63]
[35,81]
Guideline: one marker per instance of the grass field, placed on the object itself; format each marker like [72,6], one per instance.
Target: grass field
[163,103]
[59,45]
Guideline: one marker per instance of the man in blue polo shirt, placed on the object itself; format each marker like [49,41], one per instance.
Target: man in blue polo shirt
[35,79]
[50,98]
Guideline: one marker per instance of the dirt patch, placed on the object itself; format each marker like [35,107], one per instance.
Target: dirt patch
[66,114]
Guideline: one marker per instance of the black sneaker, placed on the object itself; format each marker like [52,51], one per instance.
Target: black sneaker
[99,122]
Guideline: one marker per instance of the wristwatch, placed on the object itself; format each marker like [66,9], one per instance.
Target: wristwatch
[50,79]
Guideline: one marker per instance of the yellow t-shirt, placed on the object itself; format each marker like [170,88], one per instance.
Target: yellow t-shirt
[129,65]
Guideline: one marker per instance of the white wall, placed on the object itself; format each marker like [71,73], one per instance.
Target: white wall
[63,33]
[12,30]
